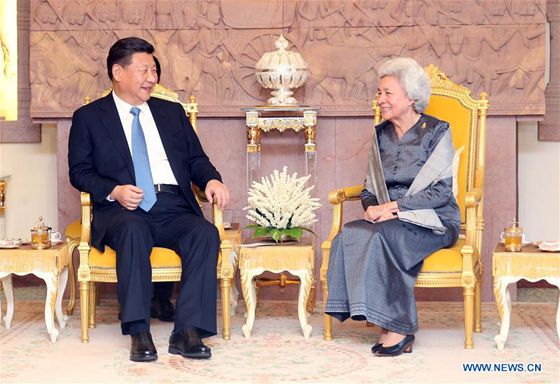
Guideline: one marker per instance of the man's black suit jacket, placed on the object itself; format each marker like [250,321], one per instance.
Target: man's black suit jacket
[99,157]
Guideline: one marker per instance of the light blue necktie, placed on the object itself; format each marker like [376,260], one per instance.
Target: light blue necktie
[142,170]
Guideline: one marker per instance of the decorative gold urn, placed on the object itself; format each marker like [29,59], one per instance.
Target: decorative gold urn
[282,71]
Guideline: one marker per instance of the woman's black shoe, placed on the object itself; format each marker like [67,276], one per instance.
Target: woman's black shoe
[405,345]
[375,347]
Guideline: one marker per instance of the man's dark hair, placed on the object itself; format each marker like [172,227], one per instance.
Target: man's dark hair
[121,52]
[158,68]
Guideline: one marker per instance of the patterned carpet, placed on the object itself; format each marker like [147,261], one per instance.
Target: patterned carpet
[277,351]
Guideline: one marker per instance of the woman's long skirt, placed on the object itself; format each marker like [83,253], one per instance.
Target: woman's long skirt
[373,269]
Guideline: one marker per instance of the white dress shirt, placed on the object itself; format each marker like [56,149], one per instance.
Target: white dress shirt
[159,164]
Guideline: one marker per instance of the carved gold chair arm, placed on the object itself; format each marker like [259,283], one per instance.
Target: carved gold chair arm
[473,197]
[348,193]
[199,194]
[85,200]
[337,198]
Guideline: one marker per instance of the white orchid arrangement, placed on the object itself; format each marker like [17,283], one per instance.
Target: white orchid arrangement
[281,205]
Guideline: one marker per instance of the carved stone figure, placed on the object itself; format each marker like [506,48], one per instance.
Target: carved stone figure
[209,48]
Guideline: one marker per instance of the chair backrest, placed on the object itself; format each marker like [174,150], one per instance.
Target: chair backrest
[467,118]
[191,108]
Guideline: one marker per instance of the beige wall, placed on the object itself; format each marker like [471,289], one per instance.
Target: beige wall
[539,184]
[32,186]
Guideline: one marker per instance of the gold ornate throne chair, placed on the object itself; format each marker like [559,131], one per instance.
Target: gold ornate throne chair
[460,265]
[100,267]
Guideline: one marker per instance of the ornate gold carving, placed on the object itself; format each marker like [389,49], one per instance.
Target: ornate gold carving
[440,80]
[253,135]
[281,124]
[3,184]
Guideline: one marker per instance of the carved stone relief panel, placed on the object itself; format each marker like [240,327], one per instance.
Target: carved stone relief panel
[209,48]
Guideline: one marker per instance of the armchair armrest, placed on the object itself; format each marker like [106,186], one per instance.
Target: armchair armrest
[224,266]
[474,196]
[85,200]
[199,194]
[337,198]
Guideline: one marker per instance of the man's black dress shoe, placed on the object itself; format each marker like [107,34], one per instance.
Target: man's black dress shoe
[162,310]
[405,345]
[142,348]
[187,343]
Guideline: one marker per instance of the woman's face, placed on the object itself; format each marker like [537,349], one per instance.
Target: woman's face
[392,99]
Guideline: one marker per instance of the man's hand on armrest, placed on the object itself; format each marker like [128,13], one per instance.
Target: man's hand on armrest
[217,192]
[129,196]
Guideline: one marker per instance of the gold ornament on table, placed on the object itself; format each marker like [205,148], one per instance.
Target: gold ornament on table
[41,235]
[282,71]
[281,206]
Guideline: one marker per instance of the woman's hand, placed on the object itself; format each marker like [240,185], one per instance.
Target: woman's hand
[387,216]
[382,212]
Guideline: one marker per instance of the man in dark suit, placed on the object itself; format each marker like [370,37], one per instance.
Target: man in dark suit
[137,157]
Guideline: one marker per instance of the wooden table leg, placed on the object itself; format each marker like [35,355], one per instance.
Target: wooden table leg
[556,281]
[503,301]
[9,293]
[250,296]
[51,280]
[62,280]
[305,276]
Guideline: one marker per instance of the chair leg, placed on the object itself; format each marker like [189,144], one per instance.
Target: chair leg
[91,309]
[468,298]
[84,307]
[478,305]
[328,320]
[72,273]
[225,287]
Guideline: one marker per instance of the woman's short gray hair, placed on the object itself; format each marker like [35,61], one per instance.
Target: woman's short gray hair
[412,77]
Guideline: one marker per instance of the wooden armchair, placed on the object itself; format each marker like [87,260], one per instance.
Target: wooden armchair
[460,265]
[100,267]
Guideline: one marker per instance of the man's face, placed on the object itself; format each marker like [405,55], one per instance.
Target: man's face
[134,83]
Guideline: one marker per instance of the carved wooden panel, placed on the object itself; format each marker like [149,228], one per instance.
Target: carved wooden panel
[209,48]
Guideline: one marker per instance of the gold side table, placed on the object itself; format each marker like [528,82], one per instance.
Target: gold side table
[51,265]
[295,258]
[530,264]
